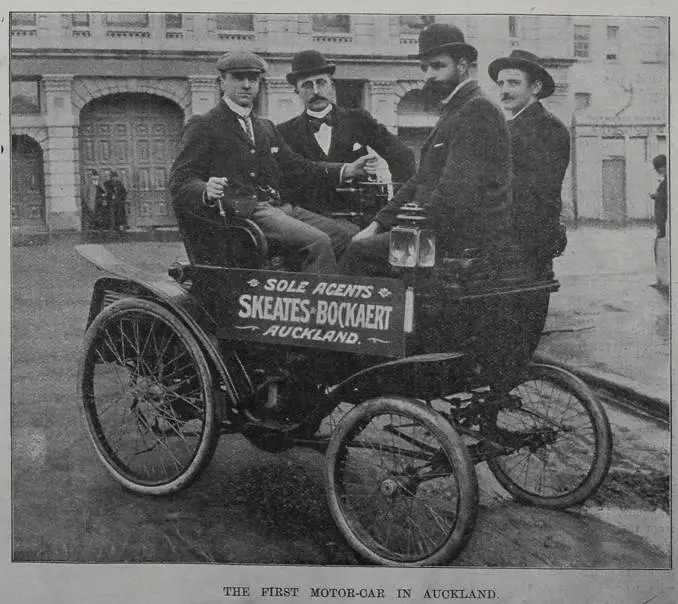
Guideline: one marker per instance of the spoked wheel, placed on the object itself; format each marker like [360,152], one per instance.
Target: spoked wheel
[146,391]
[400,484]
[560,436]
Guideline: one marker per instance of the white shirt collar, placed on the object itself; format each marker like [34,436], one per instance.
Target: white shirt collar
[320,114]
[459,86]
[512,117]
[237,109]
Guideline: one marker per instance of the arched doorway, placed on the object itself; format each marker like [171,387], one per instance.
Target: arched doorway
[136,135]
[28,185]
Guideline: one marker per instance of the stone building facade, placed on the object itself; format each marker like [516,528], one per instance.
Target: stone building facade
[111,91]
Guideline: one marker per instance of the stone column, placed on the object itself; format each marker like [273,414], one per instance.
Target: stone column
[282,102]
[62,185]
[382,102]
[204,93]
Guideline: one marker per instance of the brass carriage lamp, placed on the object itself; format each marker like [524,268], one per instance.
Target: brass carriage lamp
[412,243]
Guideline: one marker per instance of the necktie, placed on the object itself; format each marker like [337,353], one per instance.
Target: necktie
[248,126]
[316,122]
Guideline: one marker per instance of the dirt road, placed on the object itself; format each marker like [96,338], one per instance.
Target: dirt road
[251,506]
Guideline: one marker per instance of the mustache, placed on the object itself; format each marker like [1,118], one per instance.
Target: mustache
[317,97]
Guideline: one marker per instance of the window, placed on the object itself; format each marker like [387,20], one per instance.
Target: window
[582,41]
[612,53]
[235,22]
[513,26]
[650,44]
[582,100]
[173,21]
[80,19]
[332,24]
[25,96]
[24,19]
[413,24]
[127,19]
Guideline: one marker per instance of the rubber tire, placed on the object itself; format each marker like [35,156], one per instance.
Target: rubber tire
[456,451]
[210,433]
[601,427]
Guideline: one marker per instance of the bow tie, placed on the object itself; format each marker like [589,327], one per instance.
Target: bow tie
[316,122]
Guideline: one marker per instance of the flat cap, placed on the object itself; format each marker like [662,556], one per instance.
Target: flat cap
[241,60]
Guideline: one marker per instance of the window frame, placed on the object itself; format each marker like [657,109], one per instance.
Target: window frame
[173,15]
[327,29]
[652,42]
[582,42]
[38,96]
[22,23]
[112,24]
[220,16]
[612,43]
[76,24]
[410,29]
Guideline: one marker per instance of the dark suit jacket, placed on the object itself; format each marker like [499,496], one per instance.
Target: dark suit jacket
[541,154]
[353,127]
[464,175]
[214,144]
[661,208]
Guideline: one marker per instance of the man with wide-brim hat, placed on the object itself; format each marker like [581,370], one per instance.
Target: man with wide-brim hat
[327,132]
[232,157]
[463,181]
[540,145]
[529,64]
[541,150]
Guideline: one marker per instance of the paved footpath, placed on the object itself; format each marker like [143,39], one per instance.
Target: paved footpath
[607,320]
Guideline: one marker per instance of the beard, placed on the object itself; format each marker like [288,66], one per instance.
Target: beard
[436,91]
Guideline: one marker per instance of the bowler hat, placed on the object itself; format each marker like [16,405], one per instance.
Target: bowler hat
[442,37]
[241,60]
[306,63]
[527,62]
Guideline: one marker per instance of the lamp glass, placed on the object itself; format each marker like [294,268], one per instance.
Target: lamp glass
[404,246]
[427,248]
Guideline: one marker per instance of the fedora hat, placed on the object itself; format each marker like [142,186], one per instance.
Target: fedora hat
[527,62]
[443,37]
[306,63]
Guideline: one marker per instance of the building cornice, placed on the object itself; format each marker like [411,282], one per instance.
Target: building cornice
[173,55]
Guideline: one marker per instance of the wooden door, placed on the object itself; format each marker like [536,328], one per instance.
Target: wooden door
[28,190]
[614,189]
[136,135]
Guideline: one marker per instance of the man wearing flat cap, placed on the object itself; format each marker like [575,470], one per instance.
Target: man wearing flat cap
[541,152]
[326,132]
[230,143]
[463,181]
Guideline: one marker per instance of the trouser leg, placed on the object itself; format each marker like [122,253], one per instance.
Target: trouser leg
[367,257]
[314,246]
[340,234]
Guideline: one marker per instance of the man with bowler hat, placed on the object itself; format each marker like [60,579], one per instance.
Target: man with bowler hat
[230,143]
[326,132]
[463,181]
[541,152]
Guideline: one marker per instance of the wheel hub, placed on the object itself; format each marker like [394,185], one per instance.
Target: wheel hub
[389,487]
[149,390]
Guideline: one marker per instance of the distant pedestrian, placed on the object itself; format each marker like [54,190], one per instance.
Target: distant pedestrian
[661,214]
[116,196]
[94,203]
[661,200]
